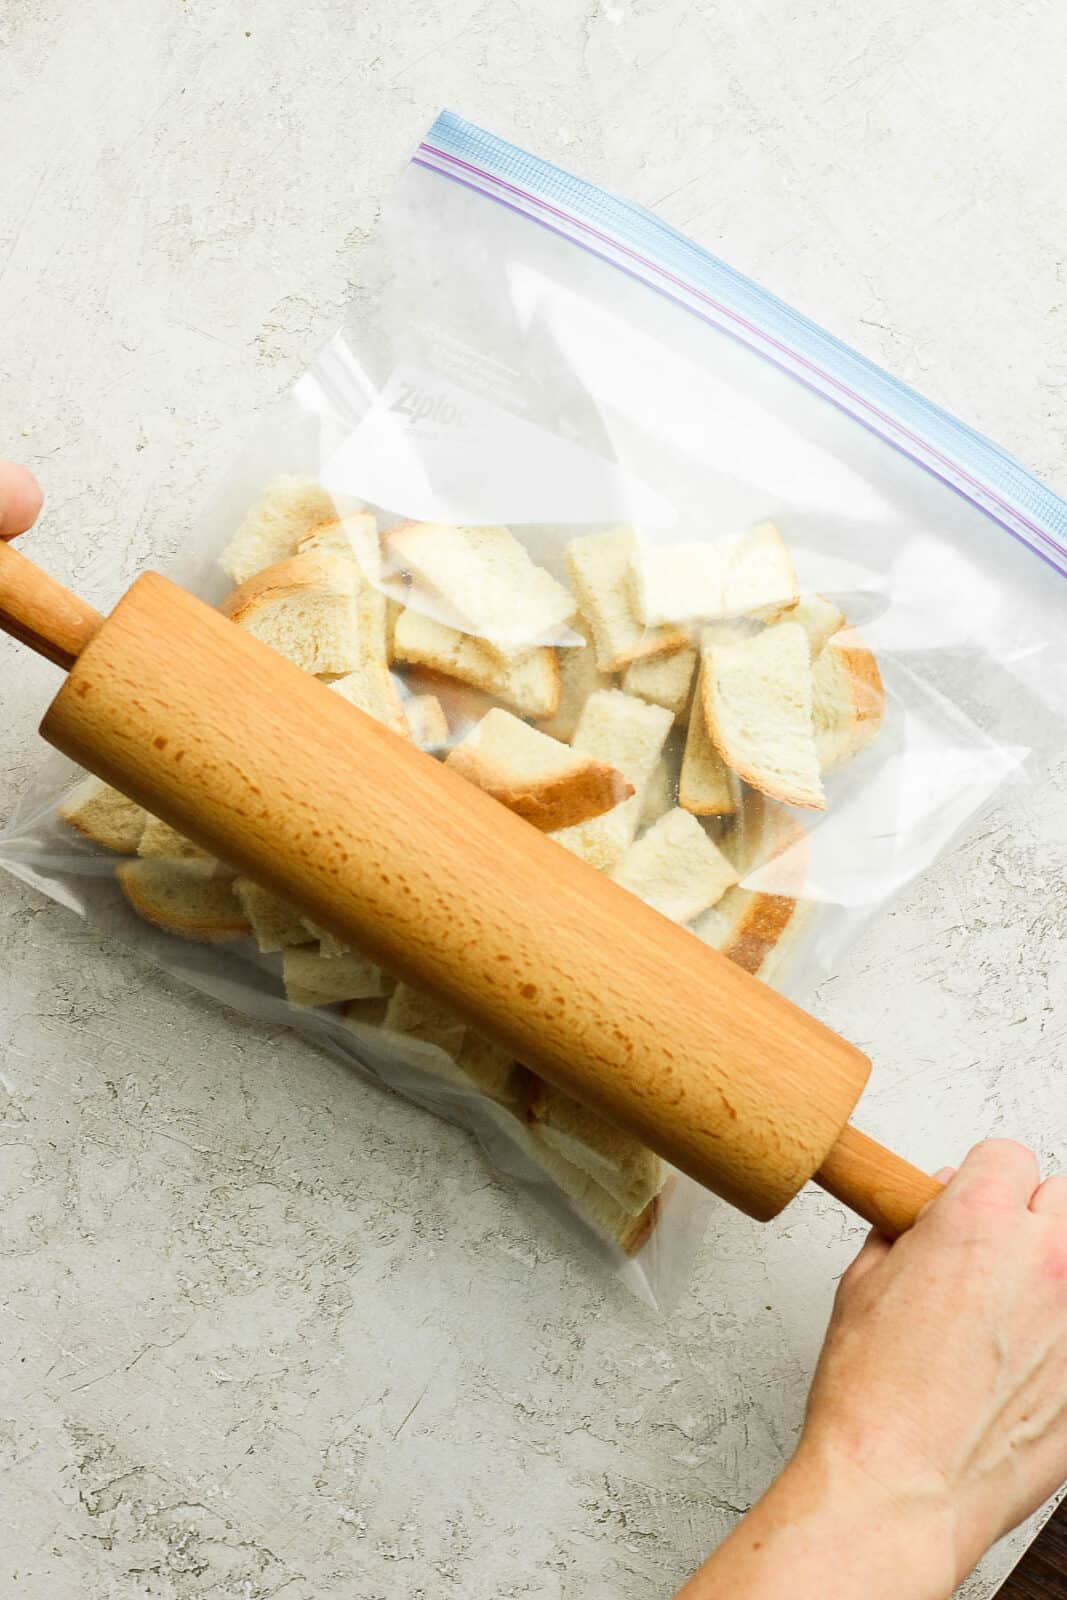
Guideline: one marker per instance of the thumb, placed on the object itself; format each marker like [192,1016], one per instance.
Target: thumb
[876,1248]
[20,499]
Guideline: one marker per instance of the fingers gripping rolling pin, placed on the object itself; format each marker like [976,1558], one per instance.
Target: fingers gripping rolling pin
[260,764]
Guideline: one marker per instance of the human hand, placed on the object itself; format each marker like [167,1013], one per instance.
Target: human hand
[943,1378]
[20,499]
[937,1417]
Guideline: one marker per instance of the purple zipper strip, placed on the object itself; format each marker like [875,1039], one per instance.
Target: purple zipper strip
[851,400]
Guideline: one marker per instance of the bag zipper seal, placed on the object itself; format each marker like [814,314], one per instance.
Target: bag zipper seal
[651,251]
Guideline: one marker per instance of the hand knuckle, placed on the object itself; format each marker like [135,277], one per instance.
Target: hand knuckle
[1003,1150]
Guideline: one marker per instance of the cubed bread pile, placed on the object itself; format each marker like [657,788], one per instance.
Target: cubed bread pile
[656,715]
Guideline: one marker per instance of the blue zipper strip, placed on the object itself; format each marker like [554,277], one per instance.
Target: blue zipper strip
[656,254]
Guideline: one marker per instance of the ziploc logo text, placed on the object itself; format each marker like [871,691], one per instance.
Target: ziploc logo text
[424,405]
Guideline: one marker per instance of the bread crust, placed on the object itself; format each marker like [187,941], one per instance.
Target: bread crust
[557,800]
[145,884]
[462,658]
[83,811]
[848,726]
[313,570]
[747,762]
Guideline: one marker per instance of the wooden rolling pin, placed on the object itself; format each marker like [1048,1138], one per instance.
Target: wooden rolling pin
[263,766]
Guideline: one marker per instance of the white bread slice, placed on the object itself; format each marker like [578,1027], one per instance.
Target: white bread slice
[313,980]
[426,720]
[393,608]
[491,1070]
[529,682]
[599,565]
[849,699]
[760,580]
[618,1162]
[659,794]
[275,924]
[274,525]
[373,634]
[316,609]
[104,816]
[629,735]
[748,574]
[184,897]
[676,583]
[473,1062]
[675,868]
[161,842]
[819,618]
[485,579]
[371,688]
[330,945]
[413,1011]
[706,786]
[595,1206]
[579,678]
[765,831]
[462,704]
[757,695]
[589,1202]
[547,783]
[756,929]
[598,1210]
[354,536]
[357,1014]
[664,680]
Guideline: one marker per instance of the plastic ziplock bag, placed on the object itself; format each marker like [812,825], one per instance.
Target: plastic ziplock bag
[585,477]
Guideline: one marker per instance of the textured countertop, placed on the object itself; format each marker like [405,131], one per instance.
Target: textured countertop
[268,1331]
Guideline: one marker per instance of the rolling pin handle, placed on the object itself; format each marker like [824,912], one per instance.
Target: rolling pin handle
[39,612]
[879,1186]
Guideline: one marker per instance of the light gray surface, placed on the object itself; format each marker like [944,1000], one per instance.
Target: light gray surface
[265,1331]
